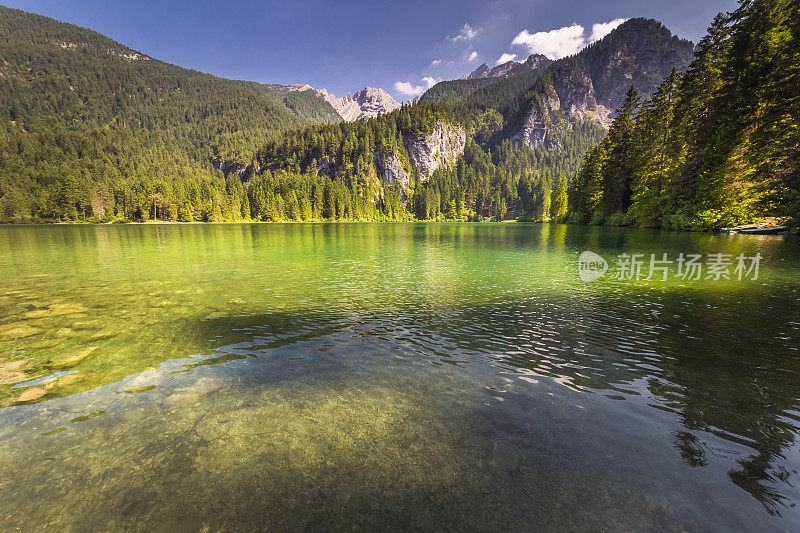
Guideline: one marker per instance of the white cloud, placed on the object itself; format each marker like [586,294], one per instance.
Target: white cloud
[602,29]
[473,56]
[564,41]
[467,33]
[555,44]
[407,89]
[436,62]
[505,58]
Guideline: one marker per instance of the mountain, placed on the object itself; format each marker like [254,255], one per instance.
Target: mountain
[507,69]
[455,92]
[93,130]
[452,92]
[60,75]
[592,84]
[477,149]
[363,170]
[482,71]
[366,103]
[83,117]
[718,145]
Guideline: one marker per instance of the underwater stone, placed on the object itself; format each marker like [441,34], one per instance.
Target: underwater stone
[56,310]
[17,330]
[31,394]
[191,395]
[103,335]
[10,378]
[74,359]
[12,365]
[87,324]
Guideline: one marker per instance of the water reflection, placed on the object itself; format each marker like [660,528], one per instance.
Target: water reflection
[477,340]
[613,346]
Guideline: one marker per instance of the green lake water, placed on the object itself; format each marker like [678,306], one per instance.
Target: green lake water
[393,376]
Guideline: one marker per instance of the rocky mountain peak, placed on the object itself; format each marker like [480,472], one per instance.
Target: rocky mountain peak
[508,68]
[536,60]
[480,72]
[592,84]
[373,100]
[503,69]
[366,103]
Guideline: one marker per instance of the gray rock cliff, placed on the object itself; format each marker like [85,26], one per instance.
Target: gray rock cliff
[443,146]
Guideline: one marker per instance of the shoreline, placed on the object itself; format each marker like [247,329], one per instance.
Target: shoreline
[791,232]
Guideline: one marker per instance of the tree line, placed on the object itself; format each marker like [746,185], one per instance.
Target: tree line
[715,146]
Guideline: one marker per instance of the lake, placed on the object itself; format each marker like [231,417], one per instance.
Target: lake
[396,376]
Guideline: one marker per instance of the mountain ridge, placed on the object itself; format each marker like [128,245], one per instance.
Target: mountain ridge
[508,68]
[591,85]
[158,141]
[365,103]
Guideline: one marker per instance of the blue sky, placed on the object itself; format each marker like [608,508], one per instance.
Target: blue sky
[344,45]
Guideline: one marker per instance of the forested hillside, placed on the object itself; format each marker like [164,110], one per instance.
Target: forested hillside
[91,128]
[499,175]
[487,182]
[716,146]
[451,92]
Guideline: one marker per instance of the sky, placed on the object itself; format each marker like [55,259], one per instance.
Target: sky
[401,46]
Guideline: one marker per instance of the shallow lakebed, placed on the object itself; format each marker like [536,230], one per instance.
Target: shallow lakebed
[393,376]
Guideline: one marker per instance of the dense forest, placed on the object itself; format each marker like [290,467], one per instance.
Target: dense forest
[715,146]
[491,181]
[497,177]
[92,130]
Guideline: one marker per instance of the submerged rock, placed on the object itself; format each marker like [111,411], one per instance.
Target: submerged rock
[59,309]
[87,325]
[31,394]
[103,335]
[74,359]
[191,395]
[18,330]
[45,343]
[10,378]
[37,313]
[12,365]
[68,308]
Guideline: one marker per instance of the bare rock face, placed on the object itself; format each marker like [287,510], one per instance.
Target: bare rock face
[575,92]
[570,95]
[504,70]
[510,68]
[441,147]
[366,103]
[536,133]
[536,61]
[592,85]
[327,167]
[536,130]
[480,72]
[229,166]
[390,169]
